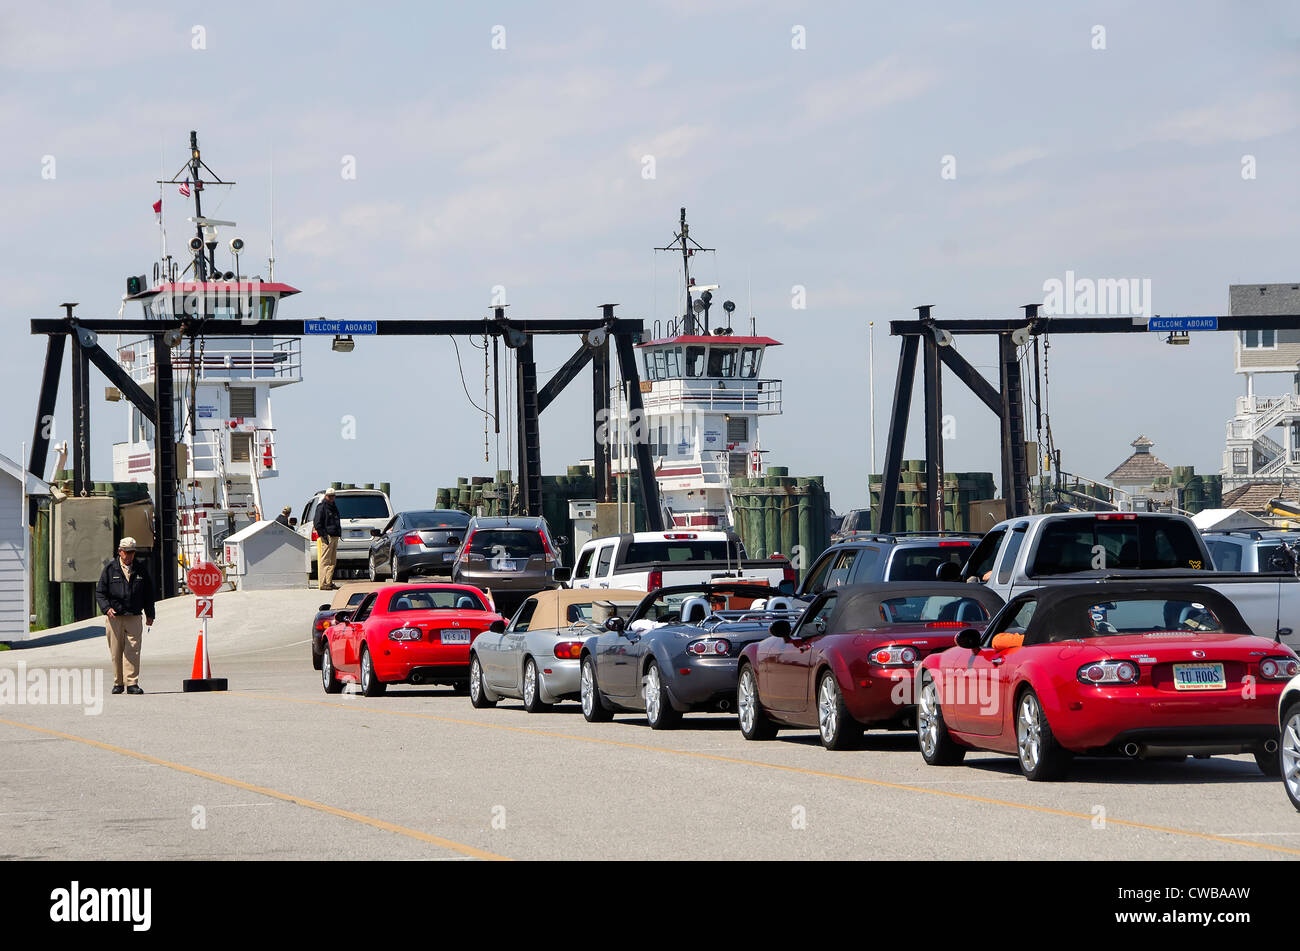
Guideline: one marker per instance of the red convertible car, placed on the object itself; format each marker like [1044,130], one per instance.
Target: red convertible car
[407,633]
[850,662]
[1138,669]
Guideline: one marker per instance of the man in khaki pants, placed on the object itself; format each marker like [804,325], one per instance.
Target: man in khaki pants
[125,595]
[329,527]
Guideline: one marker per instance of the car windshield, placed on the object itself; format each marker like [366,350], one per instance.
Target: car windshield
[935,610]
[640,553]
[436,599]
[362,506]
[1149,616]
[1093,544]
[507,542]
[667,608]
[418,520]
[921,562]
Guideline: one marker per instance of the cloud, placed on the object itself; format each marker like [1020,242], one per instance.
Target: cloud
[886,83]
[1245,119]
[1016,158]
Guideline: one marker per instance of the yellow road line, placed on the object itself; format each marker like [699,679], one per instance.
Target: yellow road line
[880,783]
[273,793]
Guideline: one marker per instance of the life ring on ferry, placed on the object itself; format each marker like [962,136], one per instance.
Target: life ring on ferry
[755,462]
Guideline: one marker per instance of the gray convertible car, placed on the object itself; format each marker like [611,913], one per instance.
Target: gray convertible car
[677,652]
[536,657]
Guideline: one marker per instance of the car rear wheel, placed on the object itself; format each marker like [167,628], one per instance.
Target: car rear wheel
[1270,764]
[835,725]
[316,644]
[1042,758]
[371,685]
[754,723]
[593,707]
[398,576]
[1291,753]
[477,693]
[370,569]
[658,708]
[327,675]
[532,689]
[938,748]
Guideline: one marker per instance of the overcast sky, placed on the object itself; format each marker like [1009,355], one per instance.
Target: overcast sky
[821,167]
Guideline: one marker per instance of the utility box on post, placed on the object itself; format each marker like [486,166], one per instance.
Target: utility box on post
[81,538]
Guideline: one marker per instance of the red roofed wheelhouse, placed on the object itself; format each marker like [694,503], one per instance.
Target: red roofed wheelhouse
[704,393]
[222,385]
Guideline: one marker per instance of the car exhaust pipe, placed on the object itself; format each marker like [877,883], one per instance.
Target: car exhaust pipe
[724,705]
[1131,749]
[1270,746]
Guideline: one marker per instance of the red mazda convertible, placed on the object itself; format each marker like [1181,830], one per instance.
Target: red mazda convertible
[407,633]
[849,664]
[1136,669]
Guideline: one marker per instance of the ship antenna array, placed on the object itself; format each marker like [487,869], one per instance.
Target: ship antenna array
[684,244]
[192,169]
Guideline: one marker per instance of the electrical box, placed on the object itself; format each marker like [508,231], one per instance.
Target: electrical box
[137,521]
[582,515]
[81,541]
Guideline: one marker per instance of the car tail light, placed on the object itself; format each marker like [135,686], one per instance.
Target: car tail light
[1116,516]
[954,544]
[1279,668]
[946,624]
[654,580]
[677,536]
[788,574]
[721,646]
[546,547]
[322,624]
[412,538]
[568,650]
[1109,672]
[404,634]
[894,655]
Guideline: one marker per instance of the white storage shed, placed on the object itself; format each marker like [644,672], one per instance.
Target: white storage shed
[16,484]
[265,556]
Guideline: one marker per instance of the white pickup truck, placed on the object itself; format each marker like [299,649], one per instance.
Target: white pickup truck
[647,561]
[1021,554]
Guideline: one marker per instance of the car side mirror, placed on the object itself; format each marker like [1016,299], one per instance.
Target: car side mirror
[948,571]
[562,574]
[497,627]
[562,541]
[615,624]
[786,588]
[342,617]
[969,639]
[779,628]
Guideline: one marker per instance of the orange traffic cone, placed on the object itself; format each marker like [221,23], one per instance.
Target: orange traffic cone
[201,678]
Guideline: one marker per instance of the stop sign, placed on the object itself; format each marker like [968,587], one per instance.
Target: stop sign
[204,580]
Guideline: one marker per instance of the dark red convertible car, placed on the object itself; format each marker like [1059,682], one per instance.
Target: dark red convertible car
[850,662]
[1136,669]
[407,633]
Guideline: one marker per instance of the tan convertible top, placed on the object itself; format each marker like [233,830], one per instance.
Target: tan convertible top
[553,604]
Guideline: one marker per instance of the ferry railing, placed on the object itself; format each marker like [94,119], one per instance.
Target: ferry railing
[275,359]
[739,395]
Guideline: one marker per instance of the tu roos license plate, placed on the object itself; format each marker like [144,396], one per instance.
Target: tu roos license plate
[454,637]
[1199,677]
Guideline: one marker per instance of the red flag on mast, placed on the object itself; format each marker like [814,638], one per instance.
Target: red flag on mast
[157,207]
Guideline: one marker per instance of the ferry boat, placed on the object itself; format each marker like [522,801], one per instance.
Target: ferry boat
[703,393]
[222,386]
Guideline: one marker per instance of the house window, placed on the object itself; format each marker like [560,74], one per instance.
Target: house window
[1239,461]
[1259,339]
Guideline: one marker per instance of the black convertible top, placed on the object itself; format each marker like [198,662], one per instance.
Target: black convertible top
[1062,612]
[858,606]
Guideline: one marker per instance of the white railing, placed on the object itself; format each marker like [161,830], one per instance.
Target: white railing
[741,396]
[275,359]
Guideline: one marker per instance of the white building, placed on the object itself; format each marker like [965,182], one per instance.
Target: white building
[16,484]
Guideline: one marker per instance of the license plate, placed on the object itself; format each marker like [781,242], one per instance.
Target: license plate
[357,533]
[455,637]
[1199,677]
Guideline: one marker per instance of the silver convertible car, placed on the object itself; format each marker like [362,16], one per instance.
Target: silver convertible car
[536,657]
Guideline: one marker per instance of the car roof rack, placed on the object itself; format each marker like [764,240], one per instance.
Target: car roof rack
[896,536]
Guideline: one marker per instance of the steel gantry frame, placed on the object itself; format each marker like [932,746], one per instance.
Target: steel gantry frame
[1006,400]
[598,333]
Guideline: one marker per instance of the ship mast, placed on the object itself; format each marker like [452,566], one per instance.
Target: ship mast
[682,241]
[203,263]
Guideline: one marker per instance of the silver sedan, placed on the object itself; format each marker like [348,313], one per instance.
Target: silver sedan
[535,659]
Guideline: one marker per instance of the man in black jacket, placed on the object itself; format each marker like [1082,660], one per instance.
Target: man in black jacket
[329,528]
[125,594]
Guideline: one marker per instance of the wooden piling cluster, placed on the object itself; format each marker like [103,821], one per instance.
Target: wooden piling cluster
[912,514]
[782,514]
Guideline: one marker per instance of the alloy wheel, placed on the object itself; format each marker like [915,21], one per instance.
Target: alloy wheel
[530,683]
[1029,738]
[827,711]
[367,672]
[475,680]
[1291,756]
[746,701]
[927,718]
[588,690]
[652,693]
[327,666]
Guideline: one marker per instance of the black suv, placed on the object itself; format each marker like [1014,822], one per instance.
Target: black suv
[856,557]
